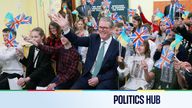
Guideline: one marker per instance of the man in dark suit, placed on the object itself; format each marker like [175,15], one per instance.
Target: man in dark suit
[100,69]
[83,9]
[170,10]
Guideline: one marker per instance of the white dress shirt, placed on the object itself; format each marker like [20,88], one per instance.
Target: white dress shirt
[35,58]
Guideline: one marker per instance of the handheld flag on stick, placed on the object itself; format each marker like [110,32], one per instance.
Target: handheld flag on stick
[27,20]
[169,24]
[176,42]
[185,14]
[11,42]
[14,24]
[20,19]
[165,59]
[180,8]
[124,39]
[139,36]
[106,3]
[115,17]
[131,12]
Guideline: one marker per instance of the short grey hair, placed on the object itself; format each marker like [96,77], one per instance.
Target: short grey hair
[107,19]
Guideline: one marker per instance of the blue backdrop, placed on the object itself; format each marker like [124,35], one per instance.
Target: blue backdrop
[119,6]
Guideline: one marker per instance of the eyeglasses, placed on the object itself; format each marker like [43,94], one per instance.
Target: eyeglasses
[103,28]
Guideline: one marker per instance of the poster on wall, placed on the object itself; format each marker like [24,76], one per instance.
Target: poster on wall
[119,6]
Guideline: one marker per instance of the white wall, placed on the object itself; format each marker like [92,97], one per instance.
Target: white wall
[146,5]
[77,2]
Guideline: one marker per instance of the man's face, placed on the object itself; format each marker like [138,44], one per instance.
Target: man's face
[5,36]
[83,2]
[172,1]
[104,29]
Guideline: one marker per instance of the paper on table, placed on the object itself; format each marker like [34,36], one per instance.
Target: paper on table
[13,84]
[41,88]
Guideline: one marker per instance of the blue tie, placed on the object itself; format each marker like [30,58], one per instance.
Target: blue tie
[172,14]
[83,8]
[99,61]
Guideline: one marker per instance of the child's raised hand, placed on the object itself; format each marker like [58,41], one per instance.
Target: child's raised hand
[26,38]
[30,40]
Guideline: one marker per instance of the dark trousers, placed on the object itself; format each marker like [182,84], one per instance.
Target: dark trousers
[4,84]
[65,85]
[32,84]
[82,83]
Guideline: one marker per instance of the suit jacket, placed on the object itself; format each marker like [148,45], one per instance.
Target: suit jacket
[109,66]
[43,74]
[81,13]
[166,10]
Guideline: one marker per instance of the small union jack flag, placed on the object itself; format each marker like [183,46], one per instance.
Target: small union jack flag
[14,24]
[168,22]
[106,3]
[166,57]
[27,20]
[11,42]
[131,12]
[114,16]
[180,8]
[119,19]
[20,19]
[139,36]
